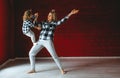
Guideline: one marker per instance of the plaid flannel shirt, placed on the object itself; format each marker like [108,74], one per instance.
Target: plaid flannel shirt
[48,28]
[27,25]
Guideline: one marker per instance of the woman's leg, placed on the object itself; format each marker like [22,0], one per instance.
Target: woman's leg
[50,47]
[34,50]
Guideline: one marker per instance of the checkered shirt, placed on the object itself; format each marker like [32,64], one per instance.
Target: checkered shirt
[48,28]
[26,26]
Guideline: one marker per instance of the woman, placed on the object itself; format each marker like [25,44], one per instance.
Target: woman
[46,39]
[28,24]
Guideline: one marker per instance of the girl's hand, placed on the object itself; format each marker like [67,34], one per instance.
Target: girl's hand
[36,14]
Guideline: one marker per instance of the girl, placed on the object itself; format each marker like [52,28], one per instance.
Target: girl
[28,24]
[46,39]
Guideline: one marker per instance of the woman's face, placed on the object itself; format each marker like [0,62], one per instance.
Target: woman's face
[50,17]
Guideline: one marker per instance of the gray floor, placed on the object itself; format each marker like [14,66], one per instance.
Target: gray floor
[87,67]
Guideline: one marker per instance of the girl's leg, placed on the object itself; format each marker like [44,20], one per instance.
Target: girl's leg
[34,50]
[32,36]
[50,47]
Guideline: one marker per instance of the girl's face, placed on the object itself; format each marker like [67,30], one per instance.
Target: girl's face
[31,15]
[50,17]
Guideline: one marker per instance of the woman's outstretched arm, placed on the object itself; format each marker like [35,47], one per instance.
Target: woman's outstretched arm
[74,11]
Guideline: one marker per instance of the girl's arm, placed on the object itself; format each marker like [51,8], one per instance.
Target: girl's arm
[35,18]
[35,22]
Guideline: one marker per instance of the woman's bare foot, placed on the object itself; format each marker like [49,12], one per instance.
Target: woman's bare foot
[63,72]
[32,71]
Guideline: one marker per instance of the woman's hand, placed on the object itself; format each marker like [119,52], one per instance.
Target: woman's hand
[37,27]
[74,11]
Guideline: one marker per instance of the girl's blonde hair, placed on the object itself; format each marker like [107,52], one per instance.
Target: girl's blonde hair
[27,15]
[54,15]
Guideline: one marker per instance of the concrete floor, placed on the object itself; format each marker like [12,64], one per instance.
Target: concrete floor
[85,67]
